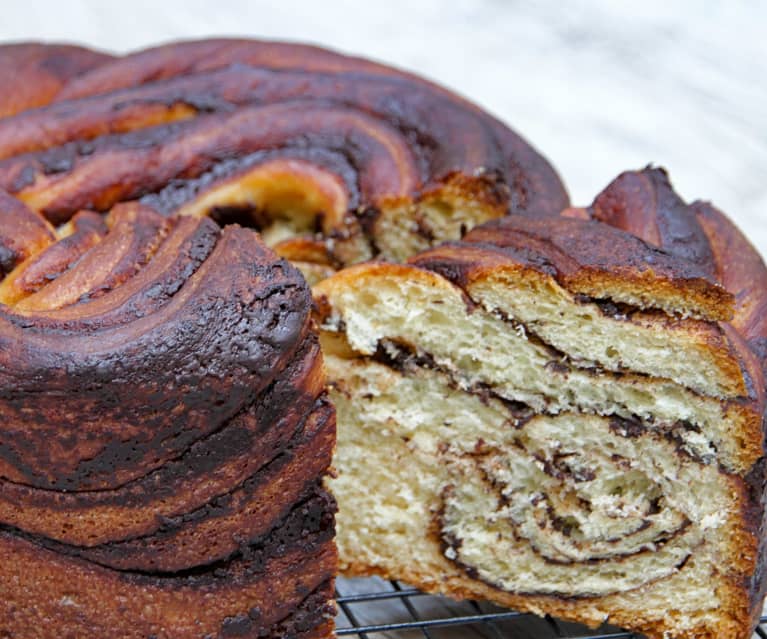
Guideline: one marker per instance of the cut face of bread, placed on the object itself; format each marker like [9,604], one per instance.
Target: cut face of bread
[555,415]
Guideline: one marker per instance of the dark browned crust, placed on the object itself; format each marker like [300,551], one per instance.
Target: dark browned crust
[534,184]
[24,233]
[215,530]
[644,204]
[165,432]
[265,582]
[209,469]
[33,74]
[397,138]
[126,166]
[188,344]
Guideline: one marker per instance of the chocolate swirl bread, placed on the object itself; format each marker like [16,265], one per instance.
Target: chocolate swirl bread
[164,427]
[563,415]
[562,412]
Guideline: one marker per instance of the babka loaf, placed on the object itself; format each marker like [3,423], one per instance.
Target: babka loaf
[563,415]
[561,412]
[164,429]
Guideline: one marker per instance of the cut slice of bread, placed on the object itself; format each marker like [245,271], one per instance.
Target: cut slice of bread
[561,415]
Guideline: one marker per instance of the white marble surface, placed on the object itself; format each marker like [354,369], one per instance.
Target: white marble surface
[598,86]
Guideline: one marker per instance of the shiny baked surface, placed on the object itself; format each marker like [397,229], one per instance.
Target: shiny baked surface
[374,160]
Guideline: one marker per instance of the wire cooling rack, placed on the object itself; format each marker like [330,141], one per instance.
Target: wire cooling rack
[378,609]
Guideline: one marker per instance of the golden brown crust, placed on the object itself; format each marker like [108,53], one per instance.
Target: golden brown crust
[594,259]
[84,231]
[644,246]
[644,203]
[741,271]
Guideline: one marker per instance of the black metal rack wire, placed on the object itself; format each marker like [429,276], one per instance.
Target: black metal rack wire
[374,609]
